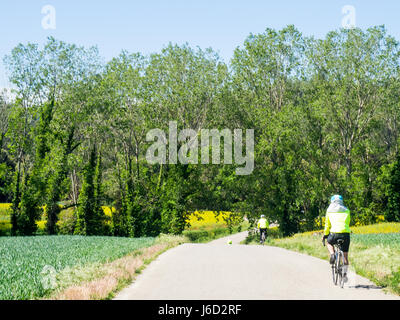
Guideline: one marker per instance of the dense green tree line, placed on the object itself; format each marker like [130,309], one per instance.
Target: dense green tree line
[324,112]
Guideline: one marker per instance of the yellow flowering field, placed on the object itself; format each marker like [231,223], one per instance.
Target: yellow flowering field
[384,227]
[5,225]
[5,206]
[4,209]
[4,213]
[204,219]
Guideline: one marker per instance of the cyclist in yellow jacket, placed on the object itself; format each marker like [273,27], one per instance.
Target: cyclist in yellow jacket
[337,226]
[262,225]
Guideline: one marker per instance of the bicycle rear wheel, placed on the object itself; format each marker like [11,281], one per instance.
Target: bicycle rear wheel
[262,237]
[340,264]
[335,273]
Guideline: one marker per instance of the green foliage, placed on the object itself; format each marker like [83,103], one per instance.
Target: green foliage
[90,216]
[253,236]
[66,222]
[29,207]
[205,235]
[393,281]
[172,218]
[233,221]
[393,204]
[5,182]
[5,228]
[177,192]
[366,217]
[56,183]
[324,112]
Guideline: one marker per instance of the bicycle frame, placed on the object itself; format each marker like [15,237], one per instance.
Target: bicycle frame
[263,235]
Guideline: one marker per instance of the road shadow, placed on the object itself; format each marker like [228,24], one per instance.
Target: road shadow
[363,286]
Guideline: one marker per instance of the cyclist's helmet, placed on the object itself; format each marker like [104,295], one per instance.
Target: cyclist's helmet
[336,197]
[262,216]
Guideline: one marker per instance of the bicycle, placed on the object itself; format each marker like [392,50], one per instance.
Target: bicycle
[263,236]
[337,266]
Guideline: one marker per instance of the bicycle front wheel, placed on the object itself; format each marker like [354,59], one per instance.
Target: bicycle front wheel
[334,273]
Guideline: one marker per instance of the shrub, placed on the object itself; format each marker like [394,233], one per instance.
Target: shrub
[393,206]
[393,281]
[272,233]
[66,221]
[5,228]
[204,235]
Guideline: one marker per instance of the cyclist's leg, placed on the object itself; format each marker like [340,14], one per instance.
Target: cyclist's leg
[262,233]
[346,258]
[345,247]
[329,244]
[330,248]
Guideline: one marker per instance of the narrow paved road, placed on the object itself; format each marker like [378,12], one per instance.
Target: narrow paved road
[218,271]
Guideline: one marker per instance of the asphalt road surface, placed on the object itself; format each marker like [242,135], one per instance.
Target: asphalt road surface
[219,271]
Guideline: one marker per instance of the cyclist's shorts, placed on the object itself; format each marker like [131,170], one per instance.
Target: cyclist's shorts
[333,237]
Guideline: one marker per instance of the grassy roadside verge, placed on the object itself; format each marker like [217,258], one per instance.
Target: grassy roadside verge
[374,251]
[104,281]
[213,232]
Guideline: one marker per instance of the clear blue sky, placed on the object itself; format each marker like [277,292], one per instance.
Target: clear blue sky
[148,25]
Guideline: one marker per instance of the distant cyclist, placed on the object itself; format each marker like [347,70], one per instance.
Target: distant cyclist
[337,226]
[262,225]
